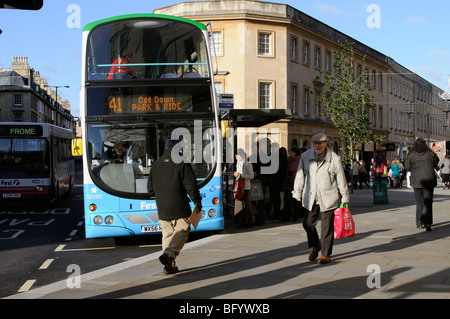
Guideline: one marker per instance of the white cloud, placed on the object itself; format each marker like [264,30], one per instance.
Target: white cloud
[415,21]
[437,53]
[435,76]
[329,10]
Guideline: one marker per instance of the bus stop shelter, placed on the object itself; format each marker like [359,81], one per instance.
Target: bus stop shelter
[244,118]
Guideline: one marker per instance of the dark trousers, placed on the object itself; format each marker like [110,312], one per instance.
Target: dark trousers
[327,228]
[424,206]
[275,199]
[245,210]
[292,207]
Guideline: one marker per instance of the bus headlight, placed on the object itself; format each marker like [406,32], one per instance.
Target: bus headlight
[109,220]
[212,213]
[39,188]
[98,220]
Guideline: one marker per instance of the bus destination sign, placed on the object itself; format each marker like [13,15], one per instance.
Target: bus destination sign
[21,131]
[142,104]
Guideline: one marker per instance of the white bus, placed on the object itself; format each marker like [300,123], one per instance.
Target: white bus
[36,163]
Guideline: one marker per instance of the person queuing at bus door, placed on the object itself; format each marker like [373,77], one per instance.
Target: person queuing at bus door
[293,209]
[320,183]
[119,70]
[422,163]
[444,166]
[243,208]
[171,183]
[277,179]
[255,160]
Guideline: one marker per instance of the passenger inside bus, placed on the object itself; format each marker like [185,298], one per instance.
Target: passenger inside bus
[119,70]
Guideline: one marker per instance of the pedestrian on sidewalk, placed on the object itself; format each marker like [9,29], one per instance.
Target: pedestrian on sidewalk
[363,175]
[170,183]
[320,183]
[444,166]
[422,163]
[396,173]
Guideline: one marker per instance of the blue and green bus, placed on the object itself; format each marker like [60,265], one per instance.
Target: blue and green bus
[143,77]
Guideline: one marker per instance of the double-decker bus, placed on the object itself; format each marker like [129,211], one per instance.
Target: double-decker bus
[36,163]
[145,76]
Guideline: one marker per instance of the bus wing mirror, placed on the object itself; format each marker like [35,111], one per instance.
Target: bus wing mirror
[77,147]
[23,4]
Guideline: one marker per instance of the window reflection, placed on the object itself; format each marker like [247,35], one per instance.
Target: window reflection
[121,156]
[146,48]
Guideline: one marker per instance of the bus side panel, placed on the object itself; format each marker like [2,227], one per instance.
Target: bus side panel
[116,216]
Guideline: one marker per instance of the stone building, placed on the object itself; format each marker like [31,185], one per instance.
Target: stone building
[269,55]
[25,96]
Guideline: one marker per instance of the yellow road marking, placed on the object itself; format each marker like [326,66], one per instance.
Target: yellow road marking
[27,285]
[46,264]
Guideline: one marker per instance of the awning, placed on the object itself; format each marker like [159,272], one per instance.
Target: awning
[254,117]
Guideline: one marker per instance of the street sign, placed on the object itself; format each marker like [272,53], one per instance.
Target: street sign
[226,101]
[390,147]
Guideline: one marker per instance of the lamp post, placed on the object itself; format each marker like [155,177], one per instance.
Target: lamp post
[446,109]
[410,111]
[56,99]
[56,89]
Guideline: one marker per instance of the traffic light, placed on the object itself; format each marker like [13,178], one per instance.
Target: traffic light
[21,4]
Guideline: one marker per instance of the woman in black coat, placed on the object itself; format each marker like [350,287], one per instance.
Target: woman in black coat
[422,162]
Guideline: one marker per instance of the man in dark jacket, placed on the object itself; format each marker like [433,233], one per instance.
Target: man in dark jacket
[170,183]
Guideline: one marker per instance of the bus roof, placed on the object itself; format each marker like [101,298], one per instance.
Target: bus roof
[91,25]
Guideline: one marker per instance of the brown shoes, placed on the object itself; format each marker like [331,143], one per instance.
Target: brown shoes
[324,260]
[315,252]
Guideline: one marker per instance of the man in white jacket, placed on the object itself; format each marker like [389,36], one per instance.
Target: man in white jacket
[320,184]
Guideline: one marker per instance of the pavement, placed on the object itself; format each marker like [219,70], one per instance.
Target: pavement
[388,258]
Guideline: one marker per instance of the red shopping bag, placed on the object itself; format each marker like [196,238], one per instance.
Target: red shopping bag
[344,226]
[239,188]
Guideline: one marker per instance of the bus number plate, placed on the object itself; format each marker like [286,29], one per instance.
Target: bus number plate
[11,195]
[151,229]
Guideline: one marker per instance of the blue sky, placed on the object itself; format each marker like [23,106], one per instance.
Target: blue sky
[414,33]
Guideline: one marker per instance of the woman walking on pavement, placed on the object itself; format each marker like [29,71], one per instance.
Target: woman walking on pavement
[422,163]
[320,183]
